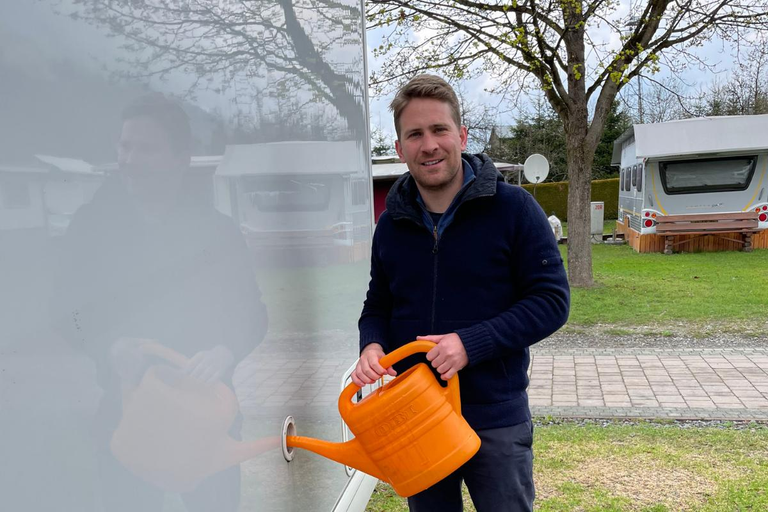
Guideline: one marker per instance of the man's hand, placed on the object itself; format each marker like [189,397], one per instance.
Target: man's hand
[209,365]
[368,369]
[449,356]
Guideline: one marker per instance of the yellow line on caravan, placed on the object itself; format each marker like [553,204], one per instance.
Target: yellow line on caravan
[653,182]
[757,189]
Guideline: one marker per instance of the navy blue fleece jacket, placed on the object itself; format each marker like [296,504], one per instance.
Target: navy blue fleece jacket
[493,275]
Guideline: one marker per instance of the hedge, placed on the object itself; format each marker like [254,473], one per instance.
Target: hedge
[553,197]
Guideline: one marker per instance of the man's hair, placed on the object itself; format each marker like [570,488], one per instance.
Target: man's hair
[168,114]
[425,86]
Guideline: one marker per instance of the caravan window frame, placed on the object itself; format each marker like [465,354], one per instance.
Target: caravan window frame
[640,170]
[706,188]
[634,175]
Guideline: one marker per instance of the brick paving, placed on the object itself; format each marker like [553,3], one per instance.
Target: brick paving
[599,383]
[289,382]
[650,383]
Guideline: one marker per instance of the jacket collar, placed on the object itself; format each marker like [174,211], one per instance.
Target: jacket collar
[402,199]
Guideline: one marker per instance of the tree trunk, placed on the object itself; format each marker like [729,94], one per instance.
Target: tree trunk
[579,156]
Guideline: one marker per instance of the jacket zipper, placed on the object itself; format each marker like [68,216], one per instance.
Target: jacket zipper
[434,279]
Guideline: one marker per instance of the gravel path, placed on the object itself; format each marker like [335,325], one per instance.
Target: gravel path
[597,338]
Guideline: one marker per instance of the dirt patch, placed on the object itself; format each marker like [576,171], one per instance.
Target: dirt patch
[641,479]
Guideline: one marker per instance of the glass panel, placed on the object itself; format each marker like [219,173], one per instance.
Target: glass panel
[640,170]
[185,227]
[715,175]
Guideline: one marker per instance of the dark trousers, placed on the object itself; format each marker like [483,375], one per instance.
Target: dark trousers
[499,477]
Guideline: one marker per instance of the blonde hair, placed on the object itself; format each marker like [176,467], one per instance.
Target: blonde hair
[425,86]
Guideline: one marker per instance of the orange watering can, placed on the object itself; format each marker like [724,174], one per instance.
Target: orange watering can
[174,429]
[409,433]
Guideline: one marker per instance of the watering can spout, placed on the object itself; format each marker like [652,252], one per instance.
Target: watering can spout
[350,453]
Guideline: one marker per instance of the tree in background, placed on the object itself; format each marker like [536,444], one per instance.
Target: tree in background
[745,92]
[542,132]
[551,46]
[742,91]
[230,45]
[381,145]
[537,131]
[479,118]
[617,122]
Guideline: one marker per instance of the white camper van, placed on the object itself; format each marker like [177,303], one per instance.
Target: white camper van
[711,165]
[315,204]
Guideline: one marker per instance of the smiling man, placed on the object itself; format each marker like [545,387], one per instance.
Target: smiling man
[462,259]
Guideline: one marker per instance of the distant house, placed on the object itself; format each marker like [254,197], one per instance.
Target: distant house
[500,135]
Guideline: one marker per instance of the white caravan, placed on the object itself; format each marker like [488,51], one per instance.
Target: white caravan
[692,166]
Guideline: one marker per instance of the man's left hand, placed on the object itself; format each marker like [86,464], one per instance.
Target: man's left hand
[449,356]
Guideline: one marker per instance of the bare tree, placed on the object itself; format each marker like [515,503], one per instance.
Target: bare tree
[479,118]
[662,100]
[747,90]
[554,46]
[229,44]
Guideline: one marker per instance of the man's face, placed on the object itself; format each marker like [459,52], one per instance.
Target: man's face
[149,166]
[431,143]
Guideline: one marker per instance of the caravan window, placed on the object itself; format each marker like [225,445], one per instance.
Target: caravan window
[288,193]
[639,177]
[634,175]
[627,177]
[710,175]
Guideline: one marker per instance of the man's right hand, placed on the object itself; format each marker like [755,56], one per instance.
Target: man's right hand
[368,369]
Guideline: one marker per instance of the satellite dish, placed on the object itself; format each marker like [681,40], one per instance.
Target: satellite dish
[536,168]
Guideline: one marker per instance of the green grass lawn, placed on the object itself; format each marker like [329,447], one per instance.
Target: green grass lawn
[307,299]
[691,293]
[706,291]
[608,227]
[640,467]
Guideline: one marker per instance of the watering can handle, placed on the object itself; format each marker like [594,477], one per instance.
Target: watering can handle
[152,348]
[415,347]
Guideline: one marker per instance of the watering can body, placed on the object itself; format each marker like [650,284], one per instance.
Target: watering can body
[409,432]
[174,429]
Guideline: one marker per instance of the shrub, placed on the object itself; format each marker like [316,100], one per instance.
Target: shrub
[553,197]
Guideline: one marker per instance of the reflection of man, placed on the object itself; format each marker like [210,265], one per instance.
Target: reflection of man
[470,260]
[146,261]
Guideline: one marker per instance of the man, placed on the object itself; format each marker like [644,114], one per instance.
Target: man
[464,260]
[147,260]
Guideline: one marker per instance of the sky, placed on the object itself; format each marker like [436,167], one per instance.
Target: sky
[711,52]
[55,32]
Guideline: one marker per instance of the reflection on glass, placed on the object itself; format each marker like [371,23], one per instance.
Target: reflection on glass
[718,175]
[184,240]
